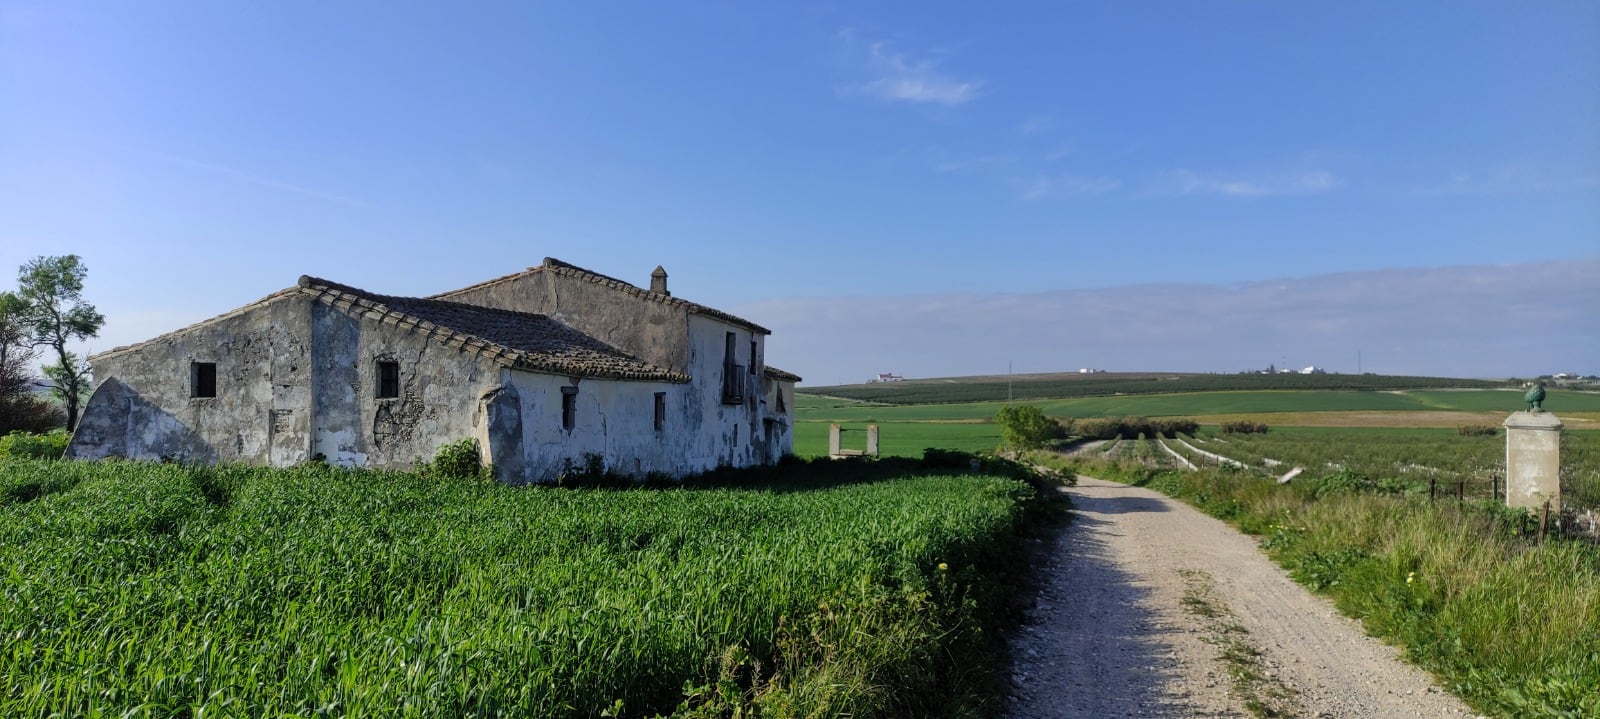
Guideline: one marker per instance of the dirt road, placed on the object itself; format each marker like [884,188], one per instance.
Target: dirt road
[1149,608]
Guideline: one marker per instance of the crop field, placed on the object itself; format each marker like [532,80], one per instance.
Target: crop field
[1057,386]
[900,439]
[130,589]
[817,408]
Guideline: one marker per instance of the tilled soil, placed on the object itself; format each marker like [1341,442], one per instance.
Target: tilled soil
[1148,608]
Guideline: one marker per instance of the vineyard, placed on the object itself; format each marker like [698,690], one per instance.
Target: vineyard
[1390,460]
[131,589]
[1057,386]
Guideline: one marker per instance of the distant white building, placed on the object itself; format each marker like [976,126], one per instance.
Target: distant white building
[1090,370]
[1313,369]
[886,377]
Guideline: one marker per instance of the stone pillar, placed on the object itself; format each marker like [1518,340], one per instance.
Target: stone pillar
[1533,460]
[872,440]
[833,440]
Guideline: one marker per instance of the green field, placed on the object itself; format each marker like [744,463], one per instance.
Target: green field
[817,408]
[1057,386]
[899,439]
[132,589]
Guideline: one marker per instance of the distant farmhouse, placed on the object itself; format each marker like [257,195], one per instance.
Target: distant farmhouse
[545,368]
[886,377]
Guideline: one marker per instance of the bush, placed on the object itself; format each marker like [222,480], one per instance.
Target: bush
[1244,427]
[25,445]
[1477,430]
[457,460]
[1133,426]
[1025,427]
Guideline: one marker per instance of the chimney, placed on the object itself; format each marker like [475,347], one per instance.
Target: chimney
[658,281]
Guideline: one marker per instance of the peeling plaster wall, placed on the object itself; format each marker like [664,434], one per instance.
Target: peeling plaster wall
[779,422]
[440,392]
[731,434]
[613,419]
[142,408]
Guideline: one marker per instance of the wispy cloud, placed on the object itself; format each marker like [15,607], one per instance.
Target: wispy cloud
[1036,124]
[253,178]
[899,76]
[1043,186]
[1475,321]
[1189,182]
[1507,180]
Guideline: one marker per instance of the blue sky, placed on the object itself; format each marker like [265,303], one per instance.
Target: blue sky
[782,157]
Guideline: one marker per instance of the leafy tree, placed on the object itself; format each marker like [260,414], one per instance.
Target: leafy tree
[54,313]
[1025,427]
[20,408]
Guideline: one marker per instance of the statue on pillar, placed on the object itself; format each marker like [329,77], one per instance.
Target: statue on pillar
[1535,398]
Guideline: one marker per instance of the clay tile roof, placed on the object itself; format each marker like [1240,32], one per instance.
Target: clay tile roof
[520,339]
[780,375]
[567,269]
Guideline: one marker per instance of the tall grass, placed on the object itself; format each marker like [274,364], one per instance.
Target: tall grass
[155,590]
[1510,626]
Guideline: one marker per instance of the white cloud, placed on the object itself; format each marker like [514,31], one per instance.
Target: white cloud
[1043,186]
[901,77]
[1188,182]
[1481,321]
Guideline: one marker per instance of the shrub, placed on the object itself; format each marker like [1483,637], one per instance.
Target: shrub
[1244,427]
[25,445]
[457,460]
[1026,427]
[1477,430]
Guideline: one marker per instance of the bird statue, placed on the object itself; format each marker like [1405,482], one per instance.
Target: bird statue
[1535,398]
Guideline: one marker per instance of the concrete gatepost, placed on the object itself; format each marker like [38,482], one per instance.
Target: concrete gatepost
[1533,460]
[872,440]
[833,440]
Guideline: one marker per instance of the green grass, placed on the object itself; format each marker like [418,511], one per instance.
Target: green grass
[1053,386]
[861,589]
[899,439]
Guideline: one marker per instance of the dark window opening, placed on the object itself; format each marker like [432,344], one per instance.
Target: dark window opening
[388,380]
[202,379]
[661,410]
[569,407]
[732,383]
[781,408]
[752,356]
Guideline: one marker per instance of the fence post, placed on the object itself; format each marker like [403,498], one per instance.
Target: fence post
[1433,489]
[1544,517]
[1461,490]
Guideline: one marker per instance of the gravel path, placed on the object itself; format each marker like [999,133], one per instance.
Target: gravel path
[1149,608]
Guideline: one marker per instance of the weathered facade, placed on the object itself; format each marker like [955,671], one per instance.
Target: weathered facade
[545,368]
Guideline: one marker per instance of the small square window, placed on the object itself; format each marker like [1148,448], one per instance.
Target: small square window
[388,380]
[569,407]
[661,410]
[202,379]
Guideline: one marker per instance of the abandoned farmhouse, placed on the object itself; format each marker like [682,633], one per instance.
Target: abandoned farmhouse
[544,367]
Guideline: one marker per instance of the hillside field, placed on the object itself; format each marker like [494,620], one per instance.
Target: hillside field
[1030,387]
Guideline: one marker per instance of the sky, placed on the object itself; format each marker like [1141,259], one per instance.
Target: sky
[926,188]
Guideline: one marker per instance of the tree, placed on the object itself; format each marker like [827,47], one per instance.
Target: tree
[1025,427]
[51,290]
[20,407]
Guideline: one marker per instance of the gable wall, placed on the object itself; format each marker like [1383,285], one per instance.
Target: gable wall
[652,331]
[142,408]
